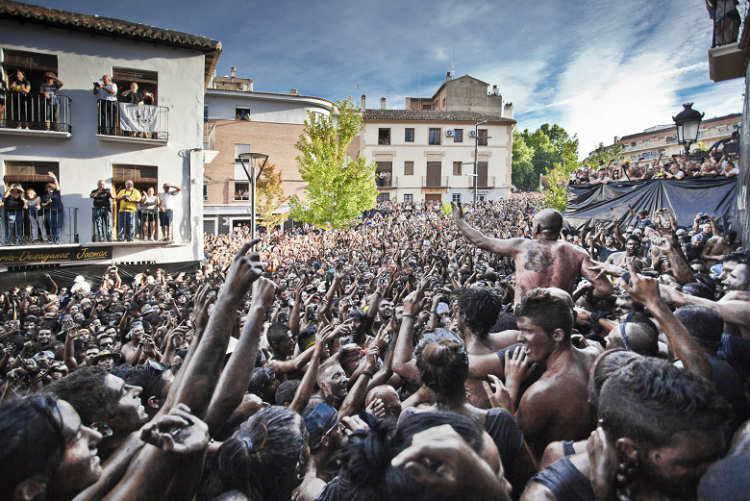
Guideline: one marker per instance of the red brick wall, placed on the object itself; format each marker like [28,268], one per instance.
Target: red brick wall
[275,140]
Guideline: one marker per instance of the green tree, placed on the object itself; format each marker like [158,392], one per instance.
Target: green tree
[548,143]
[270,197]
[523,166]
[605,153]
[339,187]
[556,193]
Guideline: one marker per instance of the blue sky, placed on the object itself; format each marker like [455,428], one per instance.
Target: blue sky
[599,68]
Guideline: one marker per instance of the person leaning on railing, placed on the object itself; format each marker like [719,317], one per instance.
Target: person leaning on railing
[36,216]
[103,197]
[128,198]
[14,204]
[20,101]
[107,105]
[51,103]
[53,209]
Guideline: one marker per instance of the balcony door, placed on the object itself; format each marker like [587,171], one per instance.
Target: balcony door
[482,174]
[433,174]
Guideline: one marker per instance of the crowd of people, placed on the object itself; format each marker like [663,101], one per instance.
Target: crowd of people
[673,168]
[486,355]
[141,214]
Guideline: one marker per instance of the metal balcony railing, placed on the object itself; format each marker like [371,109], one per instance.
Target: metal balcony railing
[48,226]
[728,18]
[388,182]
[483,184]
[209,135]
[434,182]
[36,112]
[144,121]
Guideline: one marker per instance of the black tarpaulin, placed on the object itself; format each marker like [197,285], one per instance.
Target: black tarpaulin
[589,205]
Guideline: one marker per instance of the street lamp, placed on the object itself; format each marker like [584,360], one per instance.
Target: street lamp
[688,121]
[254,159]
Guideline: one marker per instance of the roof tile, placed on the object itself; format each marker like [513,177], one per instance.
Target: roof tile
[434,116]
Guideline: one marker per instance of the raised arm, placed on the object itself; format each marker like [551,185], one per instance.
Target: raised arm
[507,247]
[645,290]
[403,362]
[239,370]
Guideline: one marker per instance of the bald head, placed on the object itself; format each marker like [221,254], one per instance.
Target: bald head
[548,222]
[391,401]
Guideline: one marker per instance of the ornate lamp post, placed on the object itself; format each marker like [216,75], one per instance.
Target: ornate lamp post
[254,159]
[688,121]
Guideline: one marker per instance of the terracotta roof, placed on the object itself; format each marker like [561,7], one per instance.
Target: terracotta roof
[434,116]
[23,12]
[45,15]
[251,92]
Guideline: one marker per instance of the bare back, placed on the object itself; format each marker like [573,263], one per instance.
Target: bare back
[547,263]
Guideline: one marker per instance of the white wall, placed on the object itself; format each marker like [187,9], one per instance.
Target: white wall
[84,158]
[277,109]
[498,148]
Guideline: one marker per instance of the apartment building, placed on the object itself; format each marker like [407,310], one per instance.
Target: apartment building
[427,151]
[648,144]
[80,145]
[239,119]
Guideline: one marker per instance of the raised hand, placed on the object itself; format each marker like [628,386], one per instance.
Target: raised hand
[245,270]
[499,396]
[178,432]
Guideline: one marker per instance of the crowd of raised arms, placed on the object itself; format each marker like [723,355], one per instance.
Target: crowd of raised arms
[484,355]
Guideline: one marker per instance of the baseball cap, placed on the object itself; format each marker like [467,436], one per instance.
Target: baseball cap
[319,423]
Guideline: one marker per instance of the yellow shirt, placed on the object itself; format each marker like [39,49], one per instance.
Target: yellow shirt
[131,206]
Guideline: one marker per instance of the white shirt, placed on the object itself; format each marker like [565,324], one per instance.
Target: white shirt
[166,199]
[108,96]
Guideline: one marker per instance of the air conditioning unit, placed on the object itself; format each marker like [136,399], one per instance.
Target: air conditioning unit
[449,132]
[472,133]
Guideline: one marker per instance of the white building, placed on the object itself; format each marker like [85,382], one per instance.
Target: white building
[429,154]
[175,67]
[242,120]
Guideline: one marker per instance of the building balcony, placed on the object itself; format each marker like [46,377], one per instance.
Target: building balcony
[37,116]
[128,123]
[386,183]
[48,227]
[726,59]
[435,182]
[483,184]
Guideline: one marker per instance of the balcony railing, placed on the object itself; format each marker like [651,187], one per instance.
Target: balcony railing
[145,121]
[389,182]
[434,182]
[484,184]
[48,226]
[209,135]
[36,112]
[728,17]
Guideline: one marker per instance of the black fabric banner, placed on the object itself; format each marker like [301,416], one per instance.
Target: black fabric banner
[605,203]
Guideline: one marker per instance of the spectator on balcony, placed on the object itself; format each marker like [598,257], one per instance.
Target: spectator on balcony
[726,20]
[132,96]
[38,230]
[707,170]
[20,101]
[149,204]
[51,104]
[166,208]
[53,209]
[3,94]
[128,198]
[103,197]
[674,172]
[107,105]
[14,203]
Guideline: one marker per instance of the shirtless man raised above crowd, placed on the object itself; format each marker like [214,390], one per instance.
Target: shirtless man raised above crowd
[543,261]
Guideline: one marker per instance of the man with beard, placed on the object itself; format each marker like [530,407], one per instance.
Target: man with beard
[719,246]
[333,383]
[632,245]
[104,401]
[542,261]
[660,430]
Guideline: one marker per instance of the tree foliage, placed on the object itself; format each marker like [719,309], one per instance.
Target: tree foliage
[270,197]
[556,193]
[605,153]
[546,146]
[339,187]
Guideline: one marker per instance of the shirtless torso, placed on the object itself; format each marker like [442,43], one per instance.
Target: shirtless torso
[542,261]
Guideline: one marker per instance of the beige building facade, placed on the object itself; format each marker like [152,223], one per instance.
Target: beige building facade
[648,144]
[429,155]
